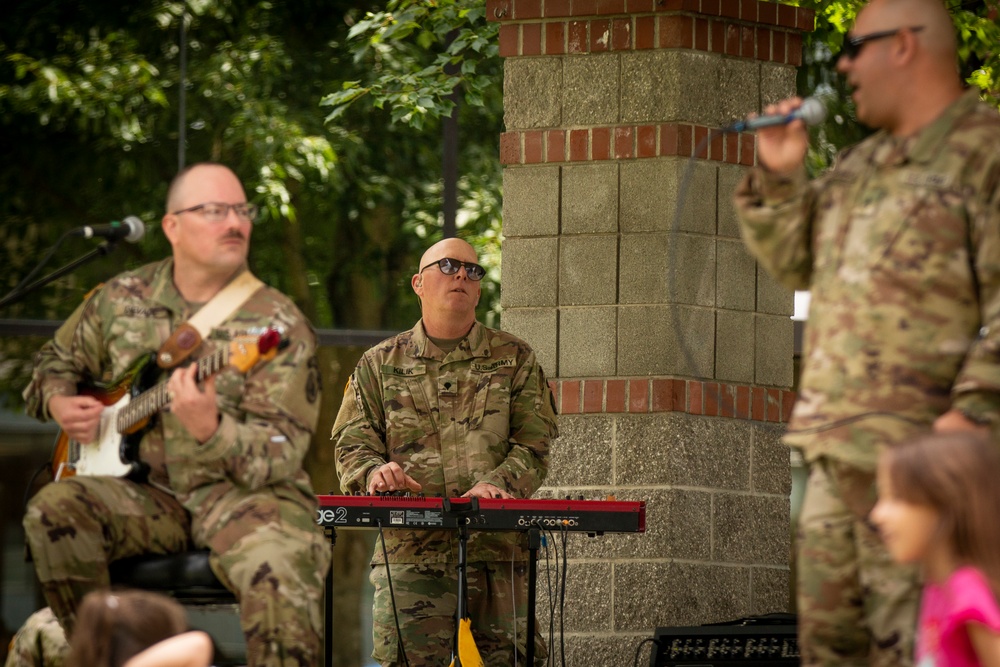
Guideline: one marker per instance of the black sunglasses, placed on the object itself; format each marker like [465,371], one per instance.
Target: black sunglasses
[853,43]
[450,267]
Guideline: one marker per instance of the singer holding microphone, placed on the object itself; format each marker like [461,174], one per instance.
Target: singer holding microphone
[899,244]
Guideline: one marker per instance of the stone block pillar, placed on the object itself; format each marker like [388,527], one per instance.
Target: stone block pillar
[668,347]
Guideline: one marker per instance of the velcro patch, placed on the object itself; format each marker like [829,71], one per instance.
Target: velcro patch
[479,367]
[404,371]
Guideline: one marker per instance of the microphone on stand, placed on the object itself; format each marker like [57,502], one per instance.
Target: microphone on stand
[130,229]
[812,112]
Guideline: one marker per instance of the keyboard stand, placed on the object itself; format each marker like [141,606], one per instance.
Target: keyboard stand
[461,512]
[534,542]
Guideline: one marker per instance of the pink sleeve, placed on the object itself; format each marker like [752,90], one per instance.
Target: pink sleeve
[973,600]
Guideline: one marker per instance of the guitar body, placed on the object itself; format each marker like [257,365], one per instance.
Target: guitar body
[134,399]
[114,453]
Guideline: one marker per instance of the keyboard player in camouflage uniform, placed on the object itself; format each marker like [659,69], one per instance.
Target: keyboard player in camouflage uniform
[448,408]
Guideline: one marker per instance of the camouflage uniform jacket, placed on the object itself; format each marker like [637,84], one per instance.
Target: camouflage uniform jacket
[267,416]
[899,244]
[482,413]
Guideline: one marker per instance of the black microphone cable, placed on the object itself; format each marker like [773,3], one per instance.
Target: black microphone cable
[689,361]
[392,595]
[546,534]
[638,649]
[562,599]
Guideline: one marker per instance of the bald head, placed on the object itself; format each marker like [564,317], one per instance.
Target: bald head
[178,186]
[456,248]
[937,35]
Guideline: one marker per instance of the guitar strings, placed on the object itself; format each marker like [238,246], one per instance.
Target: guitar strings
[152,401]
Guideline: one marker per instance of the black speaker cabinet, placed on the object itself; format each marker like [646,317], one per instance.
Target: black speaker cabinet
[759,641]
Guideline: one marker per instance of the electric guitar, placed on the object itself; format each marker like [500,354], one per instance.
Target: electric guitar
[133,399]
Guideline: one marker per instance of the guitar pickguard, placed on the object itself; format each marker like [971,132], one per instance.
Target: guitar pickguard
[114,453]
[104,456]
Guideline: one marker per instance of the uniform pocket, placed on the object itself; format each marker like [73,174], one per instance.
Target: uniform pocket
[493,386]
[409,418]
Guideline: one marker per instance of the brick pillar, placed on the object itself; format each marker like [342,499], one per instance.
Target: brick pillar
[605,102]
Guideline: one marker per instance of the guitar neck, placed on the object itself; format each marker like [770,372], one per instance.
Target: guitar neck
[151,401]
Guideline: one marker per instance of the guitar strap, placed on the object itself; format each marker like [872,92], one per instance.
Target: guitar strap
[187,337]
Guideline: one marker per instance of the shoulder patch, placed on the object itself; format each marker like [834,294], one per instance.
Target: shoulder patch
[314,383]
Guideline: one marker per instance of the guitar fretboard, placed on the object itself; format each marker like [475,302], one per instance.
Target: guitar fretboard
[153,399]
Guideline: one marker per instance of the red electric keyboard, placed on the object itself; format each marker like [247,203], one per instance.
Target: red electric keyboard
[497,514]
[417,512]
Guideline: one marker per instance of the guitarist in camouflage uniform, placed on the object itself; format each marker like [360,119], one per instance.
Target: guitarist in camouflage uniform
[224,462]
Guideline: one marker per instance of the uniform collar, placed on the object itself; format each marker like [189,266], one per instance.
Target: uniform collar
[928,143]
[474,345]
[163,290]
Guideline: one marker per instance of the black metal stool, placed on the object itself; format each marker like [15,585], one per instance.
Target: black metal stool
[186,577]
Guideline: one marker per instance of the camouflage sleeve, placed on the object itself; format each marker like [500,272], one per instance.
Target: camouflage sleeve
[532,427]
[776,215]
[977,388]
[265,438]
[359,431]
[75,352]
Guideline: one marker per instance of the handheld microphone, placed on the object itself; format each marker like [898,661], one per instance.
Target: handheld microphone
[812,112]
[130,229]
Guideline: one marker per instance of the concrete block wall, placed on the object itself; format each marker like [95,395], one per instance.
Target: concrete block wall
[668,348]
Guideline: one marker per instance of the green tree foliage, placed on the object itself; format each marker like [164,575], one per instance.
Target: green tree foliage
[420,52]
[90,117]
[419,60]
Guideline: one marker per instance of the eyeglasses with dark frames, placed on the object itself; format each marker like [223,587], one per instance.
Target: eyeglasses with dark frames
[853,43]
[214,211]
[450,267]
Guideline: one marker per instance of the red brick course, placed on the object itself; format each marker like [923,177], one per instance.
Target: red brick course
[741,28]
[630,141]
[663,394]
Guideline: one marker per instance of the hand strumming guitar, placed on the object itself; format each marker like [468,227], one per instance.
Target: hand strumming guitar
[78,416]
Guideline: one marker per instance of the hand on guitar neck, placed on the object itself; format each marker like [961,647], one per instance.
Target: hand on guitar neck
[194,406]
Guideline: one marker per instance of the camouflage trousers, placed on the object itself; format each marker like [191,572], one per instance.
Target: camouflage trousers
[426,601]
[276,562]
[855,605]
[40,642]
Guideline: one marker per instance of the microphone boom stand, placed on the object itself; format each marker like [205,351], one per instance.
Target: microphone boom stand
[19,294]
